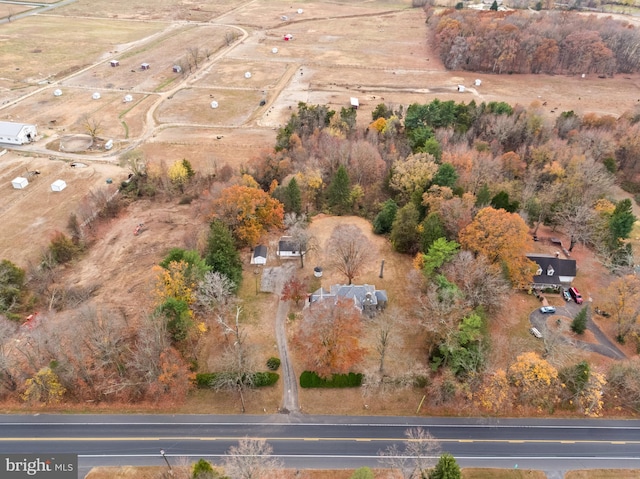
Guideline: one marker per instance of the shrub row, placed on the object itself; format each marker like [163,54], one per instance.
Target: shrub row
[309,379]
[260,379]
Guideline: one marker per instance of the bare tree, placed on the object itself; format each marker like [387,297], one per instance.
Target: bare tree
[349,250]
[92,125]
[251,459]
[300,235]
[194,56]
[578,222]
[8,380]
[214,291]
[237,366]
[417,455]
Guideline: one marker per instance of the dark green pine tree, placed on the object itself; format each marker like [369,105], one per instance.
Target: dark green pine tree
[222,254]
[494,6]
[622,219]
[447,468]
[404,232]
[293,197]
[339,192]
[384,220]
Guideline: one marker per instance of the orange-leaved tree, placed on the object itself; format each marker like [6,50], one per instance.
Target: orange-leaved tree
[503,238]
[249,212]
[329,337]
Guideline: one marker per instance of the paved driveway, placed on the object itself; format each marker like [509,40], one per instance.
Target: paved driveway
[604,346]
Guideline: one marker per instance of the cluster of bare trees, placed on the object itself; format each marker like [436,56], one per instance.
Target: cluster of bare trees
[96,355]
[519,42]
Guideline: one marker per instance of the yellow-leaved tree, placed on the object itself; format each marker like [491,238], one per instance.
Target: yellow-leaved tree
[495,394]
[44,387]
[534,379]
[503,238]
[173,282]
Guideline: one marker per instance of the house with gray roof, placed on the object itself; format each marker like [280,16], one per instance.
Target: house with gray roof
[365,297]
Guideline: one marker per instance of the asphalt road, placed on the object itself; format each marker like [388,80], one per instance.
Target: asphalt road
[325,441]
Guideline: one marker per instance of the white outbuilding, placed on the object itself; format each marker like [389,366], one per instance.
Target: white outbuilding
[96,96]
[58,185]
[478,82]
[19,183]
[214,104]
[57,92]
[127,99]
[17,133]
[461,88]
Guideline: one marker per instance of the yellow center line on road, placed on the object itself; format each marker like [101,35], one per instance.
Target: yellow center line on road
[312,439]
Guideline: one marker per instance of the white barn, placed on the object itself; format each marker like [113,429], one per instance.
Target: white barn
[17,133]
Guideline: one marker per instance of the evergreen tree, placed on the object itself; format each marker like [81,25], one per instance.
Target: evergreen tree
[501,201]
[339,192]
[384,220]
[447,467]
[293,197]
[579,323]
[404,232]
[446,175]
[494,6]
[222,254]
[432,229]
[622,219]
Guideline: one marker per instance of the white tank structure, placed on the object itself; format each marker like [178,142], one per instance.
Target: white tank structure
[127,99]
[96,96]
[274,50]
[214,104]
[247,75]
[57,92]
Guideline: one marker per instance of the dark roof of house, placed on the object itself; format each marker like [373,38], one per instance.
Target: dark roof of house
[286,243]
[260,251]
[560,266]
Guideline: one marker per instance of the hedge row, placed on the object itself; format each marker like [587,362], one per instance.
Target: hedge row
[309,379]
[260,379]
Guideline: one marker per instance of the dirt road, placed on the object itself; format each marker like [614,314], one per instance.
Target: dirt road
[290,383]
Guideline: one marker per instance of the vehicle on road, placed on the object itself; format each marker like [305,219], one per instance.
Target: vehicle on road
[536,333]
[566,295]
[547,309]
[575,294]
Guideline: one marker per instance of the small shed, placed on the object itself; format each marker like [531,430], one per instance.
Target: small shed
[177,69]
[145,66]
[108,145]
[96,96]
[57,92]
[214,104]
[259,255]
[19,183]
[114,63]
[58,185]
[354,103]
[127,99]
[478,82]
[288,37]
[461,88]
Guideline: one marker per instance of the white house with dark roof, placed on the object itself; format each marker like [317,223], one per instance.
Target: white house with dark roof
[287,248]
[552,270]
[365,297]
[17,133]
